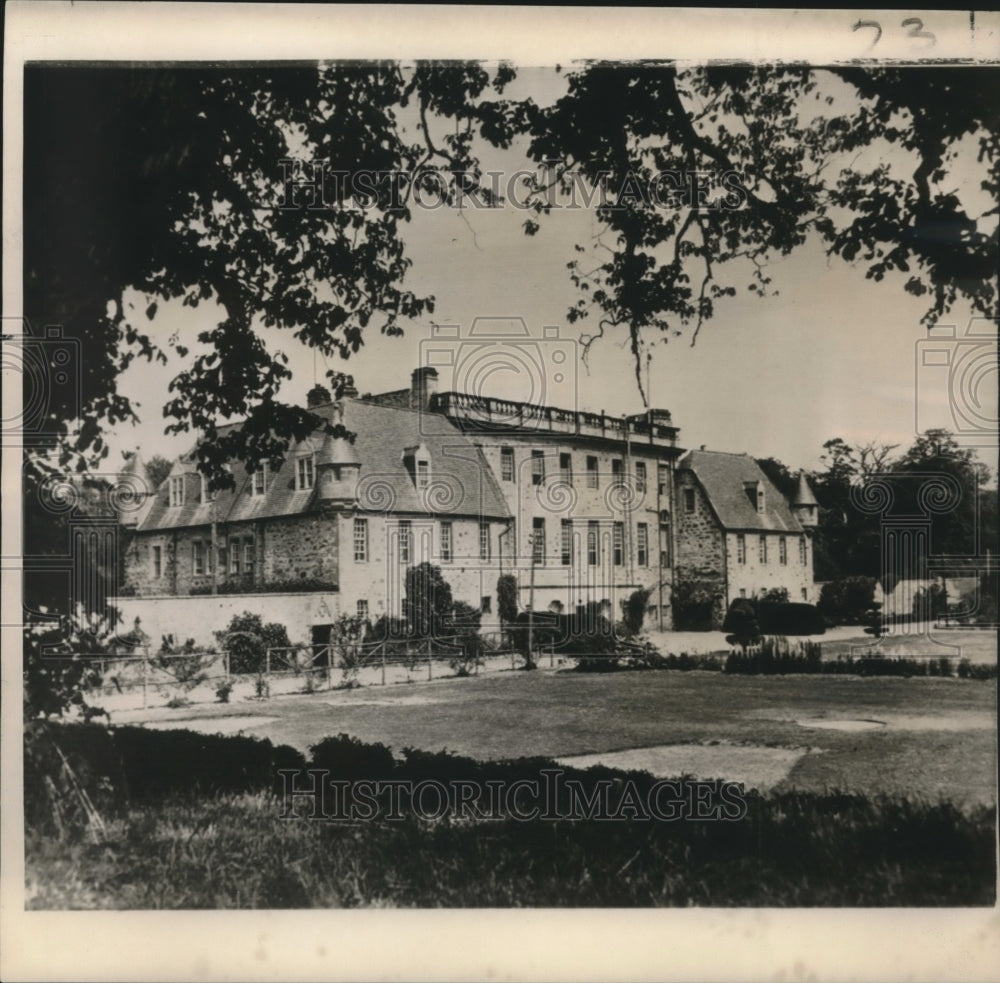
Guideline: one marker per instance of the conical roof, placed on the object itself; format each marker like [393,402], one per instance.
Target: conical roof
[803,494]
[134,465]
[337,450]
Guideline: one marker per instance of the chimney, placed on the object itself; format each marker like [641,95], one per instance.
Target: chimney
[317,396]
[423,387]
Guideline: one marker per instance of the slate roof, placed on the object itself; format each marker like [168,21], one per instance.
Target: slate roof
[461,482]
[722,476]
[803,493]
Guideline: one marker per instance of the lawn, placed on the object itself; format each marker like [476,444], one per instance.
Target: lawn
[934,736]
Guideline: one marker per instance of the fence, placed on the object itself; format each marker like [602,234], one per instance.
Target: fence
[203,676]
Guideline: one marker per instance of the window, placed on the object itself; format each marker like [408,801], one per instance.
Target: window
[204,495]
[566,468]
[743,592]
[663,479]
[618,542]
[664,543]
[423,474]
[507,463]
[486,604]
[762,549]
[741,548]
[803,549]
[235,557]
[567,542]
[688,499]
[640,476]
[363,610]
[537,467]
[446,542]
[177,490]
[248,557]
[805,594]
[484,540]
[616,471]
[591,472]
[783,551]
[404,540]
[304,472]
[198,558]
[360,540]
[538,540]
[222,558]
[592,543]
[642,544]
[259,483]
[157,561]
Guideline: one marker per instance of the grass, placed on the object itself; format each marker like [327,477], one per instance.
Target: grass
[558,714]
[230,850]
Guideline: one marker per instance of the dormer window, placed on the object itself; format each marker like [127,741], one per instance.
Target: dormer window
[204,494]
[258,484]
[755,495]
[305,472]
[417,461]
[176,490]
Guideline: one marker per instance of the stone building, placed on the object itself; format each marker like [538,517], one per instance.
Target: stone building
[579,507]
[735,526]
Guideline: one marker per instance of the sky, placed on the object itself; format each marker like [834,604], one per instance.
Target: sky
[829,354]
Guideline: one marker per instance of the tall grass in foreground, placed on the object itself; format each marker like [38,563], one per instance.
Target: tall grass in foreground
[792,849]
[221,844]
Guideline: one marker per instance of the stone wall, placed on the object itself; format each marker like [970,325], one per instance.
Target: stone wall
[199,617]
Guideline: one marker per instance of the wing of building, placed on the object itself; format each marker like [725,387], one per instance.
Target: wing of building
[579,507]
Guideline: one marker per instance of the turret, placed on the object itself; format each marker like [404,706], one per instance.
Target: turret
[804,504]
[135,491]
[338,469]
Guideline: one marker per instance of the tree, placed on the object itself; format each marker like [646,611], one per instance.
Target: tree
[634,610]
[135,146]
[428,604]
[158,467]
[507,598]
[779,475]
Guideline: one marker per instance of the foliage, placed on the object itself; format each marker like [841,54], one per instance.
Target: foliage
[214,792]
[59,665]
[507,598]
[293,585]
[464,627]
[930,602]
[158,468]
[794,618]
[774,595]
[346,636]
[634,611]
[246,640]
[982,604]
[696,598]
[741,621]
[427,604]
[845,601]
[222,690]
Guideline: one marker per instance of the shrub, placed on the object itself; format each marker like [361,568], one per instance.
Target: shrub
[741,621]
[507,598]
[634,611]
[428,603]
[775,595]
[246,641]
[845,601]
[789,619]
[697,599]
